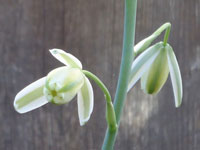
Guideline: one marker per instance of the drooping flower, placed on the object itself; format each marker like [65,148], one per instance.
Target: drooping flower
[60,86]
[153,67]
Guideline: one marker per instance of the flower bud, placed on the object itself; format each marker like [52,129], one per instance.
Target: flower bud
[62,84]
[155,77]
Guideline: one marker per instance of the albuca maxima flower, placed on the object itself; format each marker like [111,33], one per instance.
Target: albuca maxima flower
[153,67]
[60,86]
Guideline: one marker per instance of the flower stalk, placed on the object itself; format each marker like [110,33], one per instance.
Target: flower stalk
[127,58]
[167,32]
[145,43]
[110,113]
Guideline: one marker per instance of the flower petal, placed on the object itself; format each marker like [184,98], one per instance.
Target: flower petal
[31,97]
[85,102]
[175,76]
[143,62]
[66,58]
[155,77]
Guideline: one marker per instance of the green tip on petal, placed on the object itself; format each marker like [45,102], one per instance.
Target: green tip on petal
[66,58]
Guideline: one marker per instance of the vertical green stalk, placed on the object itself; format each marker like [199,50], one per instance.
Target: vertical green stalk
[127,58]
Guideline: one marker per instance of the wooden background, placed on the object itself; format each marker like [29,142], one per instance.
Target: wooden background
[92,31]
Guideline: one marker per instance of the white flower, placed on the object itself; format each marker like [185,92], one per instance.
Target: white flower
[153,66]
[60,86]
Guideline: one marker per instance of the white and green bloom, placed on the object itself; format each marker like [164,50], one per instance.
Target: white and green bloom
[60,86]
[153,67]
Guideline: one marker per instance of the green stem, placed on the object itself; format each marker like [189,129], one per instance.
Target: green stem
[167,32]
[145,43]
[110,113]
[127,58]
[161,29]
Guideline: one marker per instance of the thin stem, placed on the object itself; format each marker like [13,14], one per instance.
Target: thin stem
[127,58]
[110,113]
[145,43]
[167,32]
[161,29]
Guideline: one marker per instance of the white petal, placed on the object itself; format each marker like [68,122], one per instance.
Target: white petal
[175,76]
[143,62]
[85,102]
[31,97]
[66,58]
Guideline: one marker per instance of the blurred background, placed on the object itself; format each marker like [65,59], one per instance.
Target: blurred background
[92,31]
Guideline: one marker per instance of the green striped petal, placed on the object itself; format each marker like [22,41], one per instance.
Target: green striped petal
[85,101]
[153,80]
[66,58]
[31,97]
[175,75]
[143,62]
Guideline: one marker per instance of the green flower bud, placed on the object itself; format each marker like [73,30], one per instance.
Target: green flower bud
[153,66]
[62,84]
[155,77]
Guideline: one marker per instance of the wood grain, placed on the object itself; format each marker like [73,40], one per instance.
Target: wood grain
[92,31]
